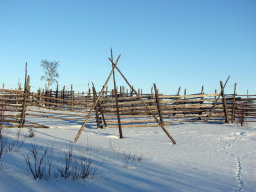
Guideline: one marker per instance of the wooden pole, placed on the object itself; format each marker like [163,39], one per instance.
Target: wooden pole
[63,97]
[158,105]
[208,116]
[22,121]
[39,94]
[72,98]
[166,132]
[202,93]
[178,93]
[56,94]
[224,103]
[100,108]
[234,103]
[96,108]
[117,107]
[50,97]
[95,103]
[106,92]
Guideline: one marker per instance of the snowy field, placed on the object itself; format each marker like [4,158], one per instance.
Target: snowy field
[207,157]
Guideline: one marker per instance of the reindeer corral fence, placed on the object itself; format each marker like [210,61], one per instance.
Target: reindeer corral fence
[215,108]
[111,109]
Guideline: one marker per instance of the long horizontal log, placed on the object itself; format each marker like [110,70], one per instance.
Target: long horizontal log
[63,100]
[164,107]
[182,101]
[54,117]
[10,121]
[131,121]
[186,96]
[9,104]
[126,103]
[138,125]
[13,109]
[67,104]
[60,109]
[16,125]
[11,90]
[56,113]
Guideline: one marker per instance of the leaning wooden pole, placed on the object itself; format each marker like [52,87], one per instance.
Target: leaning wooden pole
[96,102]
[117,106]
[224,103]
[96,107]
[22,120]
[158,105]
[100,107]
[210,113]
[157,120]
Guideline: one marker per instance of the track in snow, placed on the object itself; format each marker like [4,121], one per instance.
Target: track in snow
[237,159]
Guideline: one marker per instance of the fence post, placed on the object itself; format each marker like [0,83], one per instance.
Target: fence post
[50,104]
[202,98]
[39,98]
[22,120]
[175,103]
[224,103]
[56,95]
[158,105]
[117,106]
[96,107]
[72,98]
[234,103]
[100,109]
[106,94]
[63,97]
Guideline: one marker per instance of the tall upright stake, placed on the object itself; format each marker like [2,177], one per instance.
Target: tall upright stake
[117,106]
[234,104]
[158,105]
[22,120]
[224,103]
[95,103]
[216,101]
[96,107]
[100,107]
[157,120]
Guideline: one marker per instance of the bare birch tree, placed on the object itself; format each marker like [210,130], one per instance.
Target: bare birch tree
[50,71]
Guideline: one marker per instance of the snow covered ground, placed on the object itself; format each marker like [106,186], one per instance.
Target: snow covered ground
[207,157]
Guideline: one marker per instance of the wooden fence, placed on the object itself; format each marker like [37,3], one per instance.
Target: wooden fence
[215,108]
[11,103]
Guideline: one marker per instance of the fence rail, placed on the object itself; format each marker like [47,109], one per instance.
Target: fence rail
[171,108]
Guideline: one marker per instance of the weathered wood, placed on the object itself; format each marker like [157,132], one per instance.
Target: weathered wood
[117,107]
[22,120]
[224,103]
[96,108]
[166,132]
[56,117]
[158,105]
[207,119]
[131,121]
[95,103]
[234,103]
[186,96]
[138,125]
[100,108]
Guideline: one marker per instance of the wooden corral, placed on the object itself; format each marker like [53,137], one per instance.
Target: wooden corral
[169,108]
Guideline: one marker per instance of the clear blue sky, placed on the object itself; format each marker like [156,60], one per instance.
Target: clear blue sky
[172,43]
